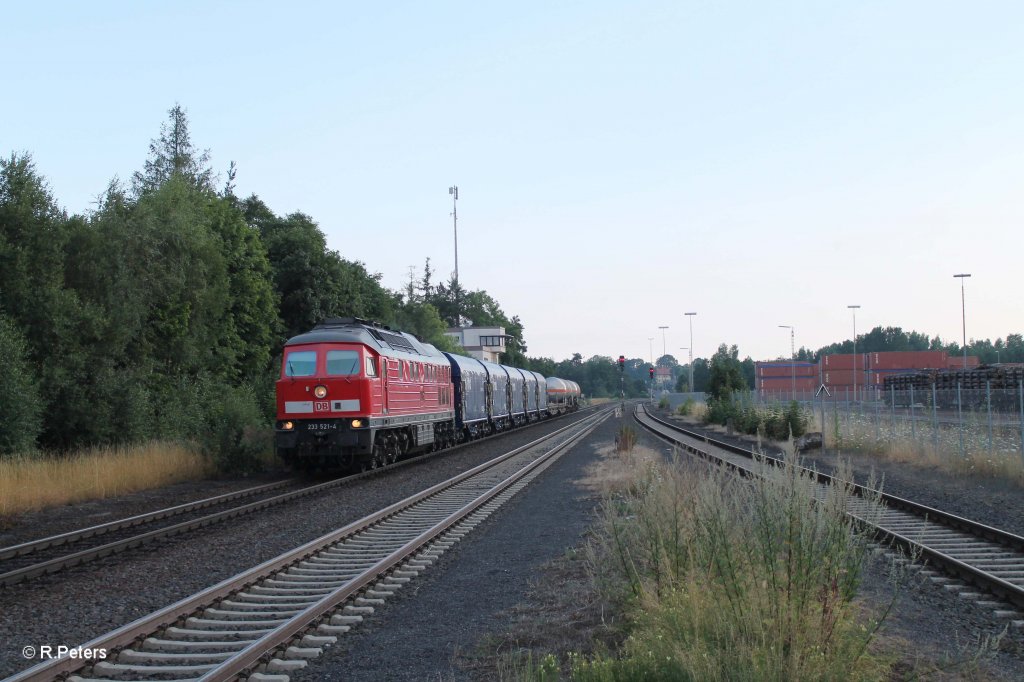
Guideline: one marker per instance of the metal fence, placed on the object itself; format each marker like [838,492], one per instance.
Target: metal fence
[977,424]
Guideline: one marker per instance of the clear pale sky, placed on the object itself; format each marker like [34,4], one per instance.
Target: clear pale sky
[619,164]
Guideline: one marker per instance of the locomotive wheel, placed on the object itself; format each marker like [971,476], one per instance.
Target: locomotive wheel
[379,458]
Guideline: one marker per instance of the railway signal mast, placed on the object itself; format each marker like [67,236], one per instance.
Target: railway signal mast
[622,374]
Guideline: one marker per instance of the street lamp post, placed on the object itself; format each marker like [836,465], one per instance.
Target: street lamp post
[963,312]
[792,350]
[663,351]
[690,315]
[854,309]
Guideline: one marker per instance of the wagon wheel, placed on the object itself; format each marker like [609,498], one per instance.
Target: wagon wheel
[391,451]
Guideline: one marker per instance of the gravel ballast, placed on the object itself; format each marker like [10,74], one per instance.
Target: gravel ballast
[78,604]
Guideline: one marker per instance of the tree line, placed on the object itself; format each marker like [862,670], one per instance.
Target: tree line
[160,313]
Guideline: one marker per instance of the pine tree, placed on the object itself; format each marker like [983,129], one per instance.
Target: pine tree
[173,154]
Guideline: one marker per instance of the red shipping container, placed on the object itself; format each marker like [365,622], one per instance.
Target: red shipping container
[957,362]
[843,361]
[785,388]
[845,377]
[766,372]
[789,379]
[908,360]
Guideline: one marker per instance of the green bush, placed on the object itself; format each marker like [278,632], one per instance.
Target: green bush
[21,407]
[236,438]
[663,403]
[777,424]
[686,408]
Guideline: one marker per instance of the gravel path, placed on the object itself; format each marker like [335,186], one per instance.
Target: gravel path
[76,605]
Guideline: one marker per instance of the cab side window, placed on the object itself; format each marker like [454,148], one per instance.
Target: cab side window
[371,366]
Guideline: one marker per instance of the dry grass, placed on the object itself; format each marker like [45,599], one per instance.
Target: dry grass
[733,579]
[897,443]
[31,483]
[616,471]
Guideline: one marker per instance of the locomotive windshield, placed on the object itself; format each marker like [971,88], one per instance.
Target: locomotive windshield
[300,363]
[342,362]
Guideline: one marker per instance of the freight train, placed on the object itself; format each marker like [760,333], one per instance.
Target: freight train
[355,394]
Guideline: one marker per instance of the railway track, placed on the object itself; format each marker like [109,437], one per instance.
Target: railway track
[48,555]
[988,558]
[271,619]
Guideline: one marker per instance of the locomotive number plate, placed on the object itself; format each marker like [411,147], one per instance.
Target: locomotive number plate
[326,426]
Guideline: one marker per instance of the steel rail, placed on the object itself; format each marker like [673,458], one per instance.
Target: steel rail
[56,564]
[966,570]
[139,629]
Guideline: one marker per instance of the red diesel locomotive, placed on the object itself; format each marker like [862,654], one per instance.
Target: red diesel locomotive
[355,394]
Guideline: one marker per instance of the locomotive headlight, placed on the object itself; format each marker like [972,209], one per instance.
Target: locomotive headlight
[320,391]
[287,426]
[357,423]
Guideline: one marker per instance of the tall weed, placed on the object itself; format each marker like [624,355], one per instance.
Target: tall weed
[733,579]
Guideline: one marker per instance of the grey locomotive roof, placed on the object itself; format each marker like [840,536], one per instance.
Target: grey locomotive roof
[355,330]
[464,364]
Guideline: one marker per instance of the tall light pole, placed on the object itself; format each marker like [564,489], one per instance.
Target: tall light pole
[963,312]
[792,350]
[854,309]
[690,315]
[663,351]
[454,192]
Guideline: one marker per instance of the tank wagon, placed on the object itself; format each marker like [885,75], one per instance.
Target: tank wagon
[358,395]
[563,395]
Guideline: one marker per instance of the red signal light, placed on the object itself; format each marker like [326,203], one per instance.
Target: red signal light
[622,363]
[650,372]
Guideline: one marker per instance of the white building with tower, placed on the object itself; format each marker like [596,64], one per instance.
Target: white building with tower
[482,343]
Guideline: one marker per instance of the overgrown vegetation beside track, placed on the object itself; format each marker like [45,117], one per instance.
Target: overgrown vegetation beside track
[722,578]
[774,422]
